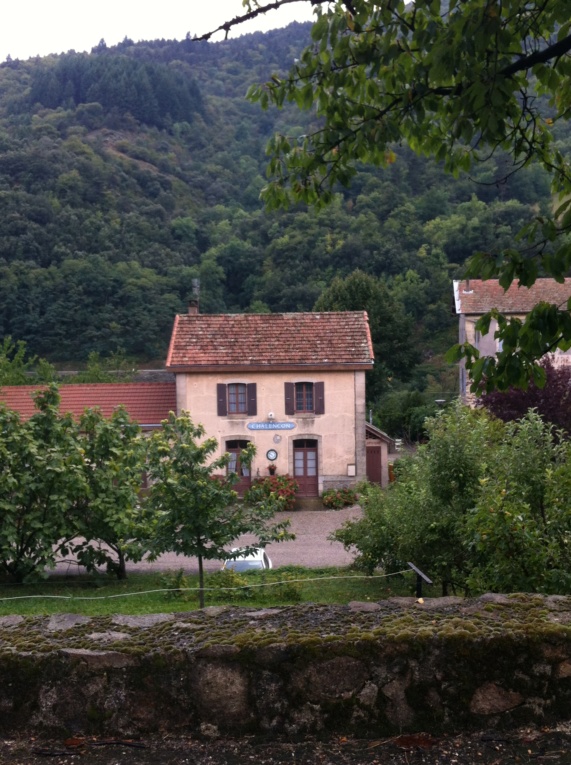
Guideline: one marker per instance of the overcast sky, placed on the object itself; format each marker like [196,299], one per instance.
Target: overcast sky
[39,27]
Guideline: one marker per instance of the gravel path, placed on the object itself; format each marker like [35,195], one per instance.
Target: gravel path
[310,548]
[548,745]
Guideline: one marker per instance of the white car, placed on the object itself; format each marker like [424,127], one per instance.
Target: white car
[254,561]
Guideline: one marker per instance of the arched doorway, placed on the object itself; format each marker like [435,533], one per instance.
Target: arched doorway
[305,466]
[234,449]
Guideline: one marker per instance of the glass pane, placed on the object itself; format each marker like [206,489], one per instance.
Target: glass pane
[298,467]
[232,403]
[312,463]
[309,398]
[233,463]
[242,398]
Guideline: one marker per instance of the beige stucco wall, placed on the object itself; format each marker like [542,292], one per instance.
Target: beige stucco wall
[340,442]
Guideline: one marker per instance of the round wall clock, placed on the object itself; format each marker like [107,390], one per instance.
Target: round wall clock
[271,454]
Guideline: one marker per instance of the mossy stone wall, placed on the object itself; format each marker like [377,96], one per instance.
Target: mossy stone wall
[442,665]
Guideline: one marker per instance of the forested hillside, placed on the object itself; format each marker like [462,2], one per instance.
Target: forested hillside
[128,172]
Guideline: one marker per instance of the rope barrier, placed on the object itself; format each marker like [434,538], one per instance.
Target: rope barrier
[206,589]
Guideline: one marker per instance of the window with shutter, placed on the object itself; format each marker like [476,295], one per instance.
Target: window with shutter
[236,398]
[305,397]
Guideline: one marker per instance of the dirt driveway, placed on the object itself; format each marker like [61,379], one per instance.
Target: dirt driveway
[310,548]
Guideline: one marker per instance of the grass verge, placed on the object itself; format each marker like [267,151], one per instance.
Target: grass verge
[176,591]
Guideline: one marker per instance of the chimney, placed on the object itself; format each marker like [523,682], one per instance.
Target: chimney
[194,302]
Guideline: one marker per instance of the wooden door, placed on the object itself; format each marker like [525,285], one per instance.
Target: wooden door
[374,462]
[305,467]
[234,449]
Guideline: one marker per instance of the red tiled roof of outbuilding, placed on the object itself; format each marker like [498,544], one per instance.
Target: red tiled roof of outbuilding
[204,342]
[147,403]
[476,296]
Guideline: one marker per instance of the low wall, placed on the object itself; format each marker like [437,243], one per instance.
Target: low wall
[443,665]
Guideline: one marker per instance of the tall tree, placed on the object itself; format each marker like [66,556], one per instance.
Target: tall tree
[191,491]
[391,328]
[458,81]
[110,510]
[41,474]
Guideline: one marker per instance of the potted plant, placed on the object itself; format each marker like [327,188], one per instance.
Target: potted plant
[272,468]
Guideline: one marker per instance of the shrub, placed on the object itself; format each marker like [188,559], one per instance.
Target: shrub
[335,499]
[283,486]
[228,585]
[289,589]
[176,584]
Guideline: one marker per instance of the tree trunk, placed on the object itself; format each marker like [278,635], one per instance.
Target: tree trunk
[121,567]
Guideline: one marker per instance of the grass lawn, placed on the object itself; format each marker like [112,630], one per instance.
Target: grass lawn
[173,591]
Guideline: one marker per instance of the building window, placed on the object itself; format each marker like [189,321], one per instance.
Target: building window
[234,449]
[236,398]
[304,398]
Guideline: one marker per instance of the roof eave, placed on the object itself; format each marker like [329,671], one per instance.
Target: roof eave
[217,368]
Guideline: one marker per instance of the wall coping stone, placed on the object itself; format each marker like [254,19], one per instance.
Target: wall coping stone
[442,664]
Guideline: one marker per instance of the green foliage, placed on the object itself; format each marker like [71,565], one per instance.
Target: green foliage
[391,328]
[142,593]
[105,221]
[152,93]
[176,584]
[110,510]
[198,512]
[229,585]
[279,488]
[16,369]
[520,528]
[482,506]
[106,218]
[422,517]
[41,475]
[70,487]
[114,368]
[335,499]
[458,82]
[288,589]
[403,414]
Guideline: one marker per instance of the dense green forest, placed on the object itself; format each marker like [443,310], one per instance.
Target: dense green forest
[127,172]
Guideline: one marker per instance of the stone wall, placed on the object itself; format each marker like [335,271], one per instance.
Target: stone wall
[441,665]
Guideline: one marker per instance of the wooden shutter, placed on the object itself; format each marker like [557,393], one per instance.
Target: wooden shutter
[289,398]
[222,400]
[252,401]
[319,394]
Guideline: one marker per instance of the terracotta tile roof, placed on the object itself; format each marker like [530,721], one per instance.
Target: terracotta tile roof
[277,341]
[147,403]
[477,296]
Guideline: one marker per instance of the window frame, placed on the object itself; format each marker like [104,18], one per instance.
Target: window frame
[222,396]
[237,398]
[304,393]
[291,399]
